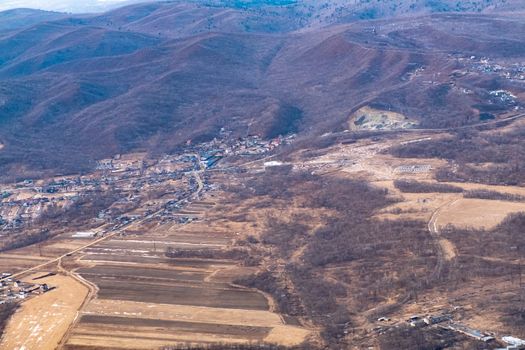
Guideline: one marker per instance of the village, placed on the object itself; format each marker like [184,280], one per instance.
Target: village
[514,71]
[170,192]
[12,289]
[129,175]
[444,321]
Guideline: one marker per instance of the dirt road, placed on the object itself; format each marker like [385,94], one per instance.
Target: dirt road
[446,249]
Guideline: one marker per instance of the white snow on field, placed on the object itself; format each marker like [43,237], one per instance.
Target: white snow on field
[84,234]
[273,163]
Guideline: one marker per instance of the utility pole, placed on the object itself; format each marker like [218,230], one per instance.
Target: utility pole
[519,265]
[519,272]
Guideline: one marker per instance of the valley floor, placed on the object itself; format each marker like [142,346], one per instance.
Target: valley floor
[123,290]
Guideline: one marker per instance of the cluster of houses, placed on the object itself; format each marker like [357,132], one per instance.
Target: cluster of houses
[121,163]
[23,202]
[503,96]
[513,343]
[213,151]
[12,289]
[15,212]
[445,321]
[128,175]
[515,71]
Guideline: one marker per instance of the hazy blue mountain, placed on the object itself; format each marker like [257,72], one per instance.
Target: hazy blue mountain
[71,6]
[313,9]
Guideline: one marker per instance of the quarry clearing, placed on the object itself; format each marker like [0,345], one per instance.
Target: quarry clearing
[368,118]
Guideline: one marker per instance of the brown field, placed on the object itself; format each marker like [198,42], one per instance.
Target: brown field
[478,213]
[141,273]
[43,321]
[146,300]
[199,294]
[15,262]
[180,322]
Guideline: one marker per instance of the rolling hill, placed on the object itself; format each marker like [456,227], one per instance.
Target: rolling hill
[152,76]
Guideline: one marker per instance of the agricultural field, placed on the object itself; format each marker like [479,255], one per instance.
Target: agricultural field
[124,292]
[42,321]
[145,299]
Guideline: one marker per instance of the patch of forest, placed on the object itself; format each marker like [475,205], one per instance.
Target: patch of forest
[497,158]
[346,265]
[411,186]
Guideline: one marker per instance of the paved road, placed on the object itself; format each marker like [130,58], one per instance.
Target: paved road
[56,260]
[197,175]
[200,183]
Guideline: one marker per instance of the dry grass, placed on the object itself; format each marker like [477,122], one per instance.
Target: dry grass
[478,213]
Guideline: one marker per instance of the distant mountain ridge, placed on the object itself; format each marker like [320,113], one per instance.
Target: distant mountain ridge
[313,11]
[335,10]
[67,6]
[152,76]
[22,17]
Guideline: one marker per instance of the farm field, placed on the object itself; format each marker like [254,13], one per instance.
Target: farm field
[42,321]
[478,213]
[146,300]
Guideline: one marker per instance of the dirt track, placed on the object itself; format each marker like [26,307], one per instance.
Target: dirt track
[447,249]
